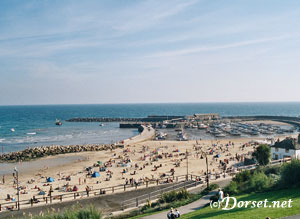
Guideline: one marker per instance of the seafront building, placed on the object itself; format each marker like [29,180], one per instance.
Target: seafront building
[288,148]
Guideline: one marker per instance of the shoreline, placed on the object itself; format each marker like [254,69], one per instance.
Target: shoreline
[35,153]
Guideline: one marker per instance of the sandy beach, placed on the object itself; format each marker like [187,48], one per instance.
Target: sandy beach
[134,163]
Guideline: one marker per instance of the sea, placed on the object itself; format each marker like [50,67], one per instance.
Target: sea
[35,125]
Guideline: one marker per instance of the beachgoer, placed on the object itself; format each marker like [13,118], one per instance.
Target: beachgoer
[177,213]
[220,196]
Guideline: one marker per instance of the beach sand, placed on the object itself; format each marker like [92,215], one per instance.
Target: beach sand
[143,164]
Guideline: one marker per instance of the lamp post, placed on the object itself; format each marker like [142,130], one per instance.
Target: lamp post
[18,189]
[187,165]
[207,178]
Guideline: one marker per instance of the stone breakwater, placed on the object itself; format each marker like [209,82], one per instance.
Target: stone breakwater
[92,119]
[39,152]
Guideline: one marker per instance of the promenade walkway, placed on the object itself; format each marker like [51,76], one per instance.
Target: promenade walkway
[147,134]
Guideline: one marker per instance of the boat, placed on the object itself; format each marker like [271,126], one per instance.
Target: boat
[58,122]
[181,137]
[220,135]
[101,124]
[202,126]
[161,136]
[215,132]
[12,130]
[235,133]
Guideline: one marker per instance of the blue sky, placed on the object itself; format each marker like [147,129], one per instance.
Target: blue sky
[64,52]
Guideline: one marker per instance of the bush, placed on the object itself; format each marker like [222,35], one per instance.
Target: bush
[232,188]
[272,170]
[168,197]
[259,182]
[174,196]
[75,213]
[290,174]
[243,176]
[182,194]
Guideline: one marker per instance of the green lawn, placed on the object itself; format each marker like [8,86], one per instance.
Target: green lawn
[279,195]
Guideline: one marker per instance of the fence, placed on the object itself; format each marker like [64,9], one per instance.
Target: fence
[135,202]
[49,199]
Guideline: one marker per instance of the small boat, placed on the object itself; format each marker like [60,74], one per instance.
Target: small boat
[101,124]
[31,133]
[58,122]
[235,133]
[181,137]
[220,135]
[202,126]
[12,130]
[161,136]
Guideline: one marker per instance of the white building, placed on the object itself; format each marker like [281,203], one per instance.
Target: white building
[289,147]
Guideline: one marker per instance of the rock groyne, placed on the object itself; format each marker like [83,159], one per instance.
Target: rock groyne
[39,152]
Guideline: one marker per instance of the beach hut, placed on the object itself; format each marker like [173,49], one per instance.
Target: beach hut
[50,179]
[95,174]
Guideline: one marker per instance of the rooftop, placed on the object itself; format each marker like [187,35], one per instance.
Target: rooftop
[288,143]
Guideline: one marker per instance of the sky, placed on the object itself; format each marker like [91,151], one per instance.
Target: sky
[146,51]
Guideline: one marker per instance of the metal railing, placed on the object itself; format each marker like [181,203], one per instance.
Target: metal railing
[51,199]
[142,199]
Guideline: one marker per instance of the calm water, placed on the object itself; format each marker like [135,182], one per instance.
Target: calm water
[35,125]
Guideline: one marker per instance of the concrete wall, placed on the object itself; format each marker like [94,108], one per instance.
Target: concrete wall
[281,153]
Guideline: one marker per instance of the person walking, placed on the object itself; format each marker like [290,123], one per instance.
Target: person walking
[220,197]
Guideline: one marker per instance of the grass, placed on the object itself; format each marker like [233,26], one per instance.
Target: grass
[278,195]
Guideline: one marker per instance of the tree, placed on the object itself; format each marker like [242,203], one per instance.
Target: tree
[262,154]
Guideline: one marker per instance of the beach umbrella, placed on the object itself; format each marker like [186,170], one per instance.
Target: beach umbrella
[42,193]
[95,174]
[50,179]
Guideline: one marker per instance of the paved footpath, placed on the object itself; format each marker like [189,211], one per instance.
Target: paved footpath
[292,217]
[192,206]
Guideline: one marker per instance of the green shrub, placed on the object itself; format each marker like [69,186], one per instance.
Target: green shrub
[272,170]
[259,182]
[182,194]
[74,213]
[232,188]
[168,197]
[172,196]
[242,176]
[290,174]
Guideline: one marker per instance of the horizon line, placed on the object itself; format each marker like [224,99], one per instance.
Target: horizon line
[144,103]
